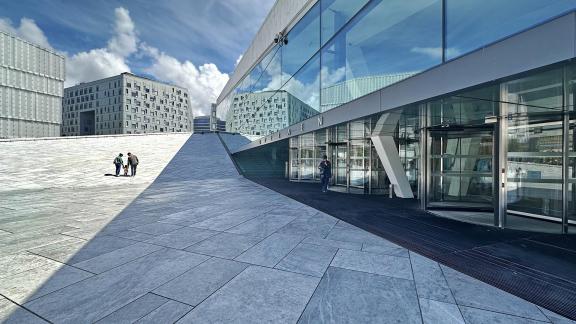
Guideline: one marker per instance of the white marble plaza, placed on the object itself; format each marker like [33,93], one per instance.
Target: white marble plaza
[197,243]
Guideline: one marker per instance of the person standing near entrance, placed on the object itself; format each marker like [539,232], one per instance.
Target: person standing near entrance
[133,163]
[325,168]
[118,162]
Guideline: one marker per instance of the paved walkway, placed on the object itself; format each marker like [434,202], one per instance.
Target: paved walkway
[204,245]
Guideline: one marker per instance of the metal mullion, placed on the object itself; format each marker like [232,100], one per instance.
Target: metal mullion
[565,149]
[500,175]
[444,31]
[423,174]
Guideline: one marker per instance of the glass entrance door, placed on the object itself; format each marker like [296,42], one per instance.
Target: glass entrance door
[461,174]
[340,165]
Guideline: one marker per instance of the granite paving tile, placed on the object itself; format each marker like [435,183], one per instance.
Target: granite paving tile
[135,310]
[155,228]
[430,281]
[197,284]
[11,313]
[346,296]
[60,251]
[257,295]
[480,316]
[353,235]
[262,226]
[170,312]
[271,250]
[225,245]
[555,318]
[98,296]
[381,264]
[308,259]
[434,312]
[317,225]
[40,281]
[385,247]
[182,238]
[17,263]
[333,243]
[135,236]
[105,262]
[228,220]
[98,246]
[474,293]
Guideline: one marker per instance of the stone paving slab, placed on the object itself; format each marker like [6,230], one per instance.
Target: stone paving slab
[192,241]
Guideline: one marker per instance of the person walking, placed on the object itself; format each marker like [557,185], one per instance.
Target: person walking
[133,163]
[118,162]
[325,168]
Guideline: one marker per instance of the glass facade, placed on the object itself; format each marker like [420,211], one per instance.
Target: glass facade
[448,148]
[471,24]
[343,49]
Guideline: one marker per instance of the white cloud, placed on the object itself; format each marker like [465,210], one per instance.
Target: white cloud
[105,62]
[435,52]
[204,83]
[93,65]
[27,30]
[125,41]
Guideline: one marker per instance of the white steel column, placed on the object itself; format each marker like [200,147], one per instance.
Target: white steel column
[383,140]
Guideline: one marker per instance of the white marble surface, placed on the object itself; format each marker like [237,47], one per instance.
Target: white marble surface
[192,241]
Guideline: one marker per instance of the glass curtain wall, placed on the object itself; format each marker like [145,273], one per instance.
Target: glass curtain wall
[461,149]
[571,145]
[535,132]
[356,167]
[343,49]
[536,111]
[472,24]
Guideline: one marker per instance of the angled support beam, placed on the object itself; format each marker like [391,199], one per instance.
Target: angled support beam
[383,140]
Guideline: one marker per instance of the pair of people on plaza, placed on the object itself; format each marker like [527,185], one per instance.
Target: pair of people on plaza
[132,162]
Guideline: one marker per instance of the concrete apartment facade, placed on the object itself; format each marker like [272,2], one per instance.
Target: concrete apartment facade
[31,85]
[262,113]
[125,104]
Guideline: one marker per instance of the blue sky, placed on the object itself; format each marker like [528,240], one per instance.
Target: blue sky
[201,37]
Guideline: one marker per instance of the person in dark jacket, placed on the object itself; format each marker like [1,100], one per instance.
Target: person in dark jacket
[325,168]
[133,163]
[118,162]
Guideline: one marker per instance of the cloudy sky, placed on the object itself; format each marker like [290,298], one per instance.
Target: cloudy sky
[191,43]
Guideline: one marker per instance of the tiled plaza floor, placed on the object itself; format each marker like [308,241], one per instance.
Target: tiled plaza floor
[204,245]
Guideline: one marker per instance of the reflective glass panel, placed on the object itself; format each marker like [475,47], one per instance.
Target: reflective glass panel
[303,42]
[307,159]
[461,168]
[572,145]
[472,24]
[386,42]
[409,143]
[335,14]
[268,75]
[534,167]
[319,149]
[468,108]
[303,92]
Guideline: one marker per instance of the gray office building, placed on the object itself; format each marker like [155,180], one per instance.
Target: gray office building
[125,104]
[31,83]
